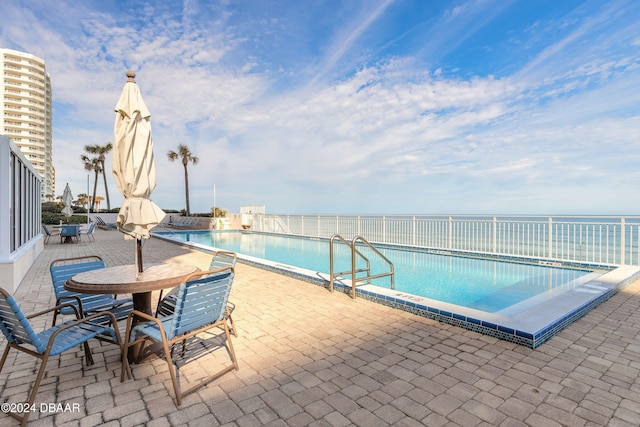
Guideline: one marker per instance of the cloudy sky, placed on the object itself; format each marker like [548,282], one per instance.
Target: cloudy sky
[381,106]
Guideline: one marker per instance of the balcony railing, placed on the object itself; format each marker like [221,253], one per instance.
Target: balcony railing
[604,240]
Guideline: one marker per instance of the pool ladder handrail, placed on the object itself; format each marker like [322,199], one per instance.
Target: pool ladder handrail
[332,274]
[353,272]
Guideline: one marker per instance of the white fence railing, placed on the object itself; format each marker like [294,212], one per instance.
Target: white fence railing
[587,239]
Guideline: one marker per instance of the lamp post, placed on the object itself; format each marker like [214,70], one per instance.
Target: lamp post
[215,222]
[88,202]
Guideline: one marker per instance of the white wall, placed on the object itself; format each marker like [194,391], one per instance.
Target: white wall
[21,239]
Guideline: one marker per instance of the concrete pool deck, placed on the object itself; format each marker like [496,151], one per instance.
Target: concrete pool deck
[309,357]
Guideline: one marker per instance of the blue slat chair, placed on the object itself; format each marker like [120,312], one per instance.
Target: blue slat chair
[70,232]
[64,269]
[20,335]
[48,233]
[200,305]
[89,232]
[220,259]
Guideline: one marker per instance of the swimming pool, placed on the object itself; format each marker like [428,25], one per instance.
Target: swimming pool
[526,302]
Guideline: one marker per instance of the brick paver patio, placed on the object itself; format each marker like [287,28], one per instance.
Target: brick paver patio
[309,357]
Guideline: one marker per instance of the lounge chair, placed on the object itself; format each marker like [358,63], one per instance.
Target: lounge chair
[64,269]
[48,233]
[191,222]
[201,305]
[167,305]
[50,342]
[185,222]
[172,222]
[176,223]
[105,225]
[89,232]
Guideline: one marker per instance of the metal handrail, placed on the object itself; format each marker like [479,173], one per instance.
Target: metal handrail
[354,279]
[353,272]
[333,275]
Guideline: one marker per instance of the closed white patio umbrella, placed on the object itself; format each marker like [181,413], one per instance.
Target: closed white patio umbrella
[67,199]
[133,167]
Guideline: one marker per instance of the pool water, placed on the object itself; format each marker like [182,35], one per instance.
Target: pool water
[487,285]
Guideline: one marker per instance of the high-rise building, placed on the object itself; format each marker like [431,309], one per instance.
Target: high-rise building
[25,89]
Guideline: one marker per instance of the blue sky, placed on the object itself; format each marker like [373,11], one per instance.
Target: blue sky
[426,107]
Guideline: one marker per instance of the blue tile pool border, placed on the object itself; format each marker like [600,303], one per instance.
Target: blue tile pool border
[486,328]
[520,337]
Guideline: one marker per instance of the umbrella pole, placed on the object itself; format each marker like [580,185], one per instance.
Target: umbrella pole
[139,254]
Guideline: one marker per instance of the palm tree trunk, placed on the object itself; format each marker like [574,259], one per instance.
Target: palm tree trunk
[186,188]
[106,189]
[95,188]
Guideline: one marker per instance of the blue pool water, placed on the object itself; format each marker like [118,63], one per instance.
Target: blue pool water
[480,284]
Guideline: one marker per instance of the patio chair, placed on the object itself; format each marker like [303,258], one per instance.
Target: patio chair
[181,222]
[220,259]
[186,222]
[89,232]
[20,335]
[201,305]
[63,269]
[105,225]
[174,223]
[70,232]
[48,233]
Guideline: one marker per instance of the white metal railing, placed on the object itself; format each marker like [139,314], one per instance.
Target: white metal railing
[605,240]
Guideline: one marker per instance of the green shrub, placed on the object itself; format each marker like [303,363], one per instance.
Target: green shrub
[55,218]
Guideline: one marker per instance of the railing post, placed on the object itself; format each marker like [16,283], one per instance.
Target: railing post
[358,227]
[550,250]
[331,264]
[622,240]
[413,231]
[302,225]
[450,233]
[384,229]
[337,224]
[494,244]
[353,268]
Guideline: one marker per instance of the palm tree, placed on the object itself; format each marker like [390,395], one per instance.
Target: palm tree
[83,199]
[99,199]
[101,150]
[92,164]
[185,154]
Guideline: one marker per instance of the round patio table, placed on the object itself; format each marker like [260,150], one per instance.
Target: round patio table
[125,279]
